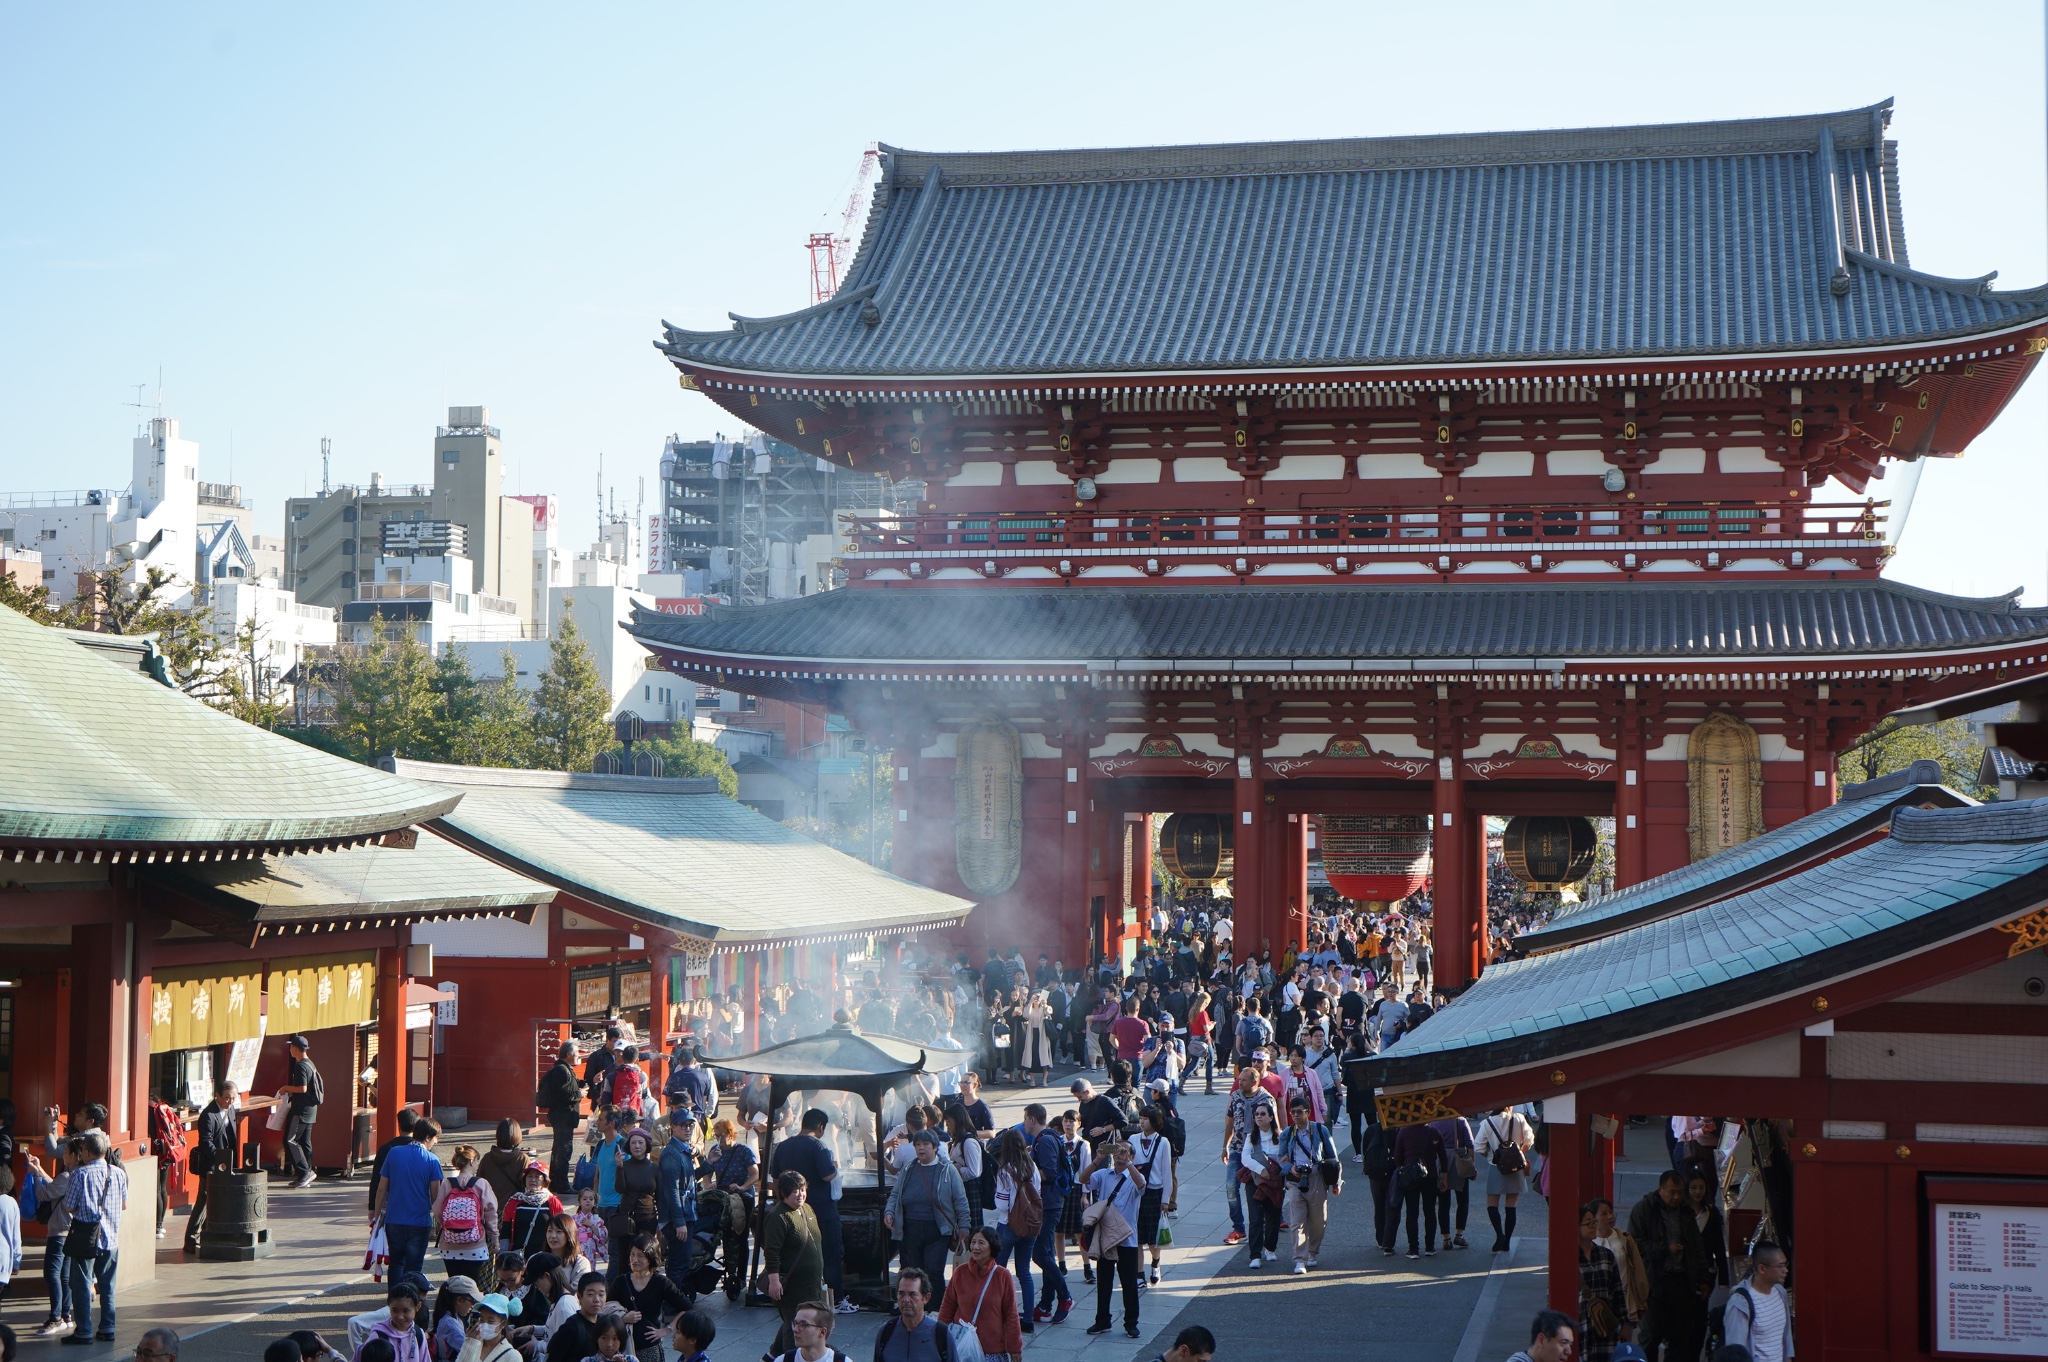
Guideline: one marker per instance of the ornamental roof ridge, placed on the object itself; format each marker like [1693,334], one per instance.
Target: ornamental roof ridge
[1851,128]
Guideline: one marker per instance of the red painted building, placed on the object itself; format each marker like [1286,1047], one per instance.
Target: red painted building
[1880,1022]
[1445,476]
[668,896]
[180,891]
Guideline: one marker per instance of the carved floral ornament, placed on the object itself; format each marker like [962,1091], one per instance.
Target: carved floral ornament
[2028,933]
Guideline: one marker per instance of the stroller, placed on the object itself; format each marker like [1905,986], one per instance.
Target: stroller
[717,1251]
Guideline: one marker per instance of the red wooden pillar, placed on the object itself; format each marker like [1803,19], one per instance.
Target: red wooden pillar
[1450,920]
[1294,877]
[1141,868]
[1820,761]
[1631,824]
[1248,876]
[1479,940]
[1601,1182]
[394,1061]
[657,1014]
[1076,902]
[1570,1164]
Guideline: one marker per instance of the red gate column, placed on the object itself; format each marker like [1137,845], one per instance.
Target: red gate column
[393,1062]
[1570,1162]
[1247,879]
[1820,759]
[1141,869]
[1294,878]
[1479,937]
[1631,861]
[1450,911]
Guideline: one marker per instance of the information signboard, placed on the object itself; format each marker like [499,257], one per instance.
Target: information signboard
[1990,1280]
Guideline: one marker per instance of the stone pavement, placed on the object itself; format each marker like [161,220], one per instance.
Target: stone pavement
[1460,1306]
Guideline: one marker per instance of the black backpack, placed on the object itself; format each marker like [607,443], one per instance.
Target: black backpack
[1377,1158]
[316,1090]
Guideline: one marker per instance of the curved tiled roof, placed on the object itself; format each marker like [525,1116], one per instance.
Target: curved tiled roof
[97,752]
[1966,869]
[676,854]
[1679,240]
[1861,809]
[1443,625]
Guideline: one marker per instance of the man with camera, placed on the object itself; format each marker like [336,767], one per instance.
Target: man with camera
[1308,1160]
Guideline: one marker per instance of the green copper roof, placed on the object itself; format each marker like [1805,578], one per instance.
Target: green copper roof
[1943,873]
[99,753]
[676,854]
[434,878]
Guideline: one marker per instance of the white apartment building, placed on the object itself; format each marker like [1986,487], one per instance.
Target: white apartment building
[601,613]
[154,523]
[424,582]
[284,629]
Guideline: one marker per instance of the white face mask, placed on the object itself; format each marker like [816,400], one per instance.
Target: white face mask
[487,1330]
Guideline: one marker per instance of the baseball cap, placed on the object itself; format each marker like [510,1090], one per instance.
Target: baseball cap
[464,1286]
[536,1166]
[1629,1352]
[1160,1085]
[682,1116]
[497,1305]
[301,1042]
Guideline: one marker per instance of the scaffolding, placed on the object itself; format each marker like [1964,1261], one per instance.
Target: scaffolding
[738,511]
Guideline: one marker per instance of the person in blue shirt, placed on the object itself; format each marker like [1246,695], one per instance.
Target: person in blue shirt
[604,1159]
[1123,1190]
[405,1197]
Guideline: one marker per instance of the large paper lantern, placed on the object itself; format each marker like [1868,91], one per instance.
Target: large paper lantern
[1197,847]
[988,806]
[1549,852]
[1376,858]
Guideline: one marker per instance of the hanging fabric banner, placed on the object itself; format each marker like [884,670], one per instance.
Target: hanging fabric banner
[316,992]
[191,1009]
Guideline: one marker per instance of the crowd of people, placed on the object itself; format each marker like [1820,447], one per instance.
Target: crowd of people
[604,1246]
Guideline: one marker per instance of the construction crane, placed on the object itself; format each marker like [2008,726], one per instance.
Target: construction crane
[832,252]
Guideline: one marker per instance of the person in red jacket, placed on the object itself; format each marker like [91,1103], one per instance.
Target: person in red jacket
[984,1294]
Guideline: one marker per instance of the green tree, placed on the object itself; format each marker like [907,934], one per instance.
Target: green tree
[184,633]
[246,688]
[684,756]
[33,601]
[572,705]
[1893,746]
[490,722]
[384,697]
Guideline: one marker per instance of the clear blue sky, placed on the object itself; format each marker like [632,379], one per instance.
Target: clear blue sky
[338,220]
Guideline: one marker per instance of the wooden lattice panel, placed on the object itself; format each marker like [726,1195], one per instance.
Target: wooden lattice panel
[1399,1109]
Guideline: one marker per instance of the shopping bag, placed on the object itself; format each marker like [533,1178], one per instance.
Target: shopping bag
[277,1117]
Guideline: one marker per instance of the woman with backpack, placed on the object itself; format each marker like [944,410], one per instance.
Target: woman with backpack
[966,1153]
[524,1222]
[1152,1165]
[629,1084]
[1019,1211]
[466,1210]
[1502,1144]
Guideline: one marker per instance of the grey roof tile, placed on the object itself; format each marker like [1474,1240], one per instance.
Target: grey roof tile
[938,625]
[1614,242]
[1681,961]
[1861,809]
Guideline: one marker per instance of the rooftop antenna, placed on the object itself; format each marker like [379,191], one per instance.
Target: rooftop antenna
[600,496]
[326,451]
[138,403]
